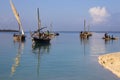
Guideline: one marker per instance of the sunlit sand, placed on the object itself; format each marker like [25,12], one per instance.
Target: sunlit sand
[111,62]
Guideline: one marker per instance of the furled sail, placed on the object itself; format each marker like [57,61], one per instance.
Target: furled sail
[16,16]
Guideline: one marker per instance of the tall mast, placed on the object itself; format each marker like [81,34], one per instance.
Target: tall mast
[84,25]
[39,22]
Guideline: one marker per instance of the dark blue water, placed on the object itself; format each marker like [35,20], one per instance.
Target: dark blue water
[66,58]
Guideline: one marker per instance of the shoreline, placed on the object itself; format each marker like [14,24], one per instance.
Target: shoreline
[8,30]
[111,62]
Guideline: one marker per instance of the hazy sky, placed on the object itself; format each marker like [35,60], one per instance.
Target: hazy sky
[67,15]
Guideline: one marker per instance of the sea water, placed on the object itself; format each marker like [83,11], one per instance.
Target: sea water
[67,57]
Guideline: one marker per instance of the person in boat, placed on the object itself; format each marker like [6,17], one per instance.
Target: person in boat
[106,35]
[81,33]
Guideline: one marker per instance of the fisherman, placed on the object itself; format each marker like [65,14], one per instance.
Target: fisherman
[112,37]
[106,35]
[81,33]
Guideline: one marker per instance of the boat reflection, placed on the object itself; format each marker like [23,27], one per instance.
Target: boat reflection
[97,45]
[40,49]
[17,58]
[110,41]
[84,42]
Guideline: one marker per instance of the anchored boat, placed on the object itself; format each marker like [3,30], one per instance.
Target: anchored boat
[21,35]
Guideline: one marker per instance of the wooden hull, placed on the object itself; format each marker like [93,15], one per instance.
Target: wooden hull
[85,34]
[41,40]
[115,38]
[19,37]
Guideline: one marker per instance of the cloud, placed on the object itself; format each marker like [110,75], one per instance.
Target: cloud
[98,14]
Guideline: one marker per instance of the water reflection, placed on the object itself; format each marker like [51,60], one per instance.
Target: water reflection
[17,58]
[84,42]
[40,49]
[97,45]
[110,41]
[94,45]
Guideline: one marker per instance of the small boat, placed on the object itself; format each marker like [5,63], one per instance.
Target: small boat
[113,38]
[84,35]
[108,37]
[39,36]
[21,36]
[18,37]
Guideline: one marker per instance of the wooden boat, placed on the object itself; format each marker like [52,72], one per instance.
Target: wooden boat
[85,34]
[21,36]
[41,40]
[17,37]
[113,38]
[38,36]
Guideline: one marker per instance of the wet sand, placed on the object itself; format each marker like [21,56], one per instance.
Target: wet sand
[111,62]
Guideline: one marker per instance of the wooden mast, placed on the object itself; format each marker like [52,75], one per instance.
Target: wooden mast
[39,22]
[84,25]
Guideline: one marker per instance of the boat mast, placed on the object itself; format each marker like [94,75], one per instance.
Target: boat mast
[39,22]
[84,25]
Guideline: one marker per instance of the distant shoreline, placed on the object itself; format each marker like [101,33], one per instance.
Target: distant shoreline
[7,30]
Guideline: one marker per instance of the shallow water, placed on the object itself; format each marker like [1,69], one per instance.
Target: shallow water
[66,58]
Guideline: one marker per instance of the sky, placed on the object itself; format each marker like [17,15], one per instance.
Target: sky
[65,15]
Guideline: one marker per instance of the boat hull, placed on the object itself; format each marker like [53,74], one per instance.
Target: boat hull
[115,38]
[19,37]
[41,40]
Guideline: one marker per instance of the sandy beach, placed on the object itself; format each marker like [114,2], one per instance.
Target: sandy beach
[111,62]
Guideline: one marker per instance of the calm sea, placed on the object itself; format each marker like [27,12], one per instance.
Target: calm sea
[67,57]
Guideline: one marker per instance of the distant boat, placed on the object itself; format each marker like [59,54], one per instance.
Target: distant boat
[108,37]
[21,36]
[114,38]
[40,36]
[85,34]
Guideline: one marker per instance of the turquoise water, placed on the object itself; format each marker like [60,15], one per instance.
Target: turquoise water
[66,58]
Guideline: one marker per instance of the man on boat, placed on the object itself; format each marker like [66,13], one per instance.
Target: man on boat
[106,35]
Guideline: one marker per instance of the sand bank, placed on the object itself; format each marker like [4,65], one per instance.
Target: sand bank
[111,61]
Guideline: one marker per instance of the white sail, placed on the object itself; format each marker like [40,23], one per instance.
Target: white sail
[16,16]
